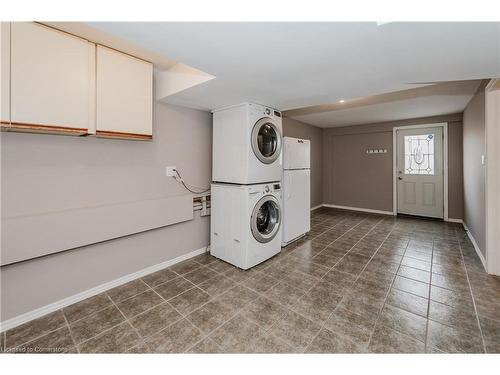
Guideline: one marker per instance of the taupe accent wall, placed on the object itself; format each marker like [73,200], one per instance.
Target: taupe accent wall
[355,179]
[298,129]
[474,146]
[47,172]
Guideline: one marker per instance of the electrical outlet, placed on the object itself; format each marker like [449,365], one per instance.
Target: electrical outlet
[170,171]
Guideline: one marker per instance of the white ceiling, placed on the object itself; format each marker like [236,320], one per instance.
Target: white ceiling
[294,65]
[433,100]
[391,111]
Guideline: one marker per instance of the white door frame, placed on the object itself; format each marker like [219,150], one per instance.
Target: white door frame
[444,125]
[492,183]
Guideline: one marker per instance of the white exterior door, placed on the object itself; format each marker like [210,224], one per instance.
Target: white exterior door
[419,172]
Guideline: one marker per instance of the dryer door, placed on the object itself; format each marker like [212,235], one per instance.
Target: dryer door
[266,219]
[266,140]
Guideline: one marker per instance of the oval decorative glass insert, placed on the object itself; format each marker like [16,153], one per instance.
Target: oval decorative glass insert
[418,155]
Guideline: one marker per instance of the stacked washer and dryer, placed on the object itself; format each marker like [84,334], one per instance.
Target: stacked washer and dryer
[246,196]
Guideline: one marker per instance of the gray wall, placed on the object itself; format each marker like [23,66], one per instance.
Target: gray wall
[474,144]
[45,172]
[298,129]
[353,178]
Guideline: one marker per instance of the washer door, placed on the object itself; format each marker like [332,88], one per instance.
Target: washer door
[266,140]
[266,219]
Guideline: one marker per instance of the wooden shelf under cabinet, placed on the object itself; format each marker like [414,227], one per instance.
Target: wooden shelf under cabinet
[42,129]
[120,135]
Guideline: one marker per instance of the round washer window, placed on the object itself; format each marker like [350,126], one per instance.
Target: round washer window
[266,219]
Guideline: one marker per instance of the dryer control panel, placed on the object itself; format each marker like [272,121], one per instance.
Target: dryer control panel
[261,110]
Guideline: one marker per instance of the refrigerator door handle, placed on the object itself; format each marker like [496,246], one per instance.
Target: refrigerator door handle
[289,184]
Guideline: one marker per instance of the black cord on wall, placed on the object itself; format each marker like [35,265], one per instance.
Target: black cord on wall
[181,181]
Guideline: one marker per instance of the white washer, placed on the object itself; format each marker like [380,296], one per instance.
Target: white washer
[245,227]
[247,142]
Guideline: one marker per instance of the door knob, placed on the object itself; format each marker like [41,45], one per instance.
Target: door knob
[400,178]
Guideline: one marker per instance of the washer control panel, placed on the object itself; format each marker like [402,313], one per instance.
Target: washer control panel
[265,189]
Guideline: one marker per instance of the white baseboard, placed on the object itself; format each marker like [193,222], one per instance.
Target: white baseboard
[37,313]
[359,209]
[451,220]
[316,207]
[476,247]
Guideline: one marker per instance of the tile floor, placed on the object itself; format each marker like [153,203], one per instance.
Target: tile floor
[358,283]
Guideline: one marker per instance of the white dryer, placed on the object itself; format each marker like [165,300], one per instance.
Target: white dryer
[247,142]
[245,227]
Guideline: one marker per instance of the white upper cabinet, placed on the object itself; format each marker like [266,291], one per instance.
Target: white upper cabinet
[50,80]
[5,73]
[124,95]
[55,82]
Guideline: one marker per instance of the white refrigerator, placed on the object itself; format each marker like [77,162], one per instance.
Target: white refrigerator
[296,189]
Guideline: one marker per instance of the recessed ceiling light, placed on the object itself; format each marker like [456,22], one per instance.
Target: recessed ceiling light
[341,101]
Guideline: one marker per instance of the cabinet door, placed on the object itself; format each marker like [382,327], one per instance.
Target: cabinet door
[124,107]
[5,73]
[50,80]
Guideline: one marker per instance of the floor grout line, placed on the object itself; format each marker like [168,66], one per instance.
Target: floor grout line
[473,299]
[182,316]
[263,295]
[385,299]
[212,298]
[40,336]
[388,290]
[322,326]
[127,320]
[70,333]
[32,339]
[429,298]
[164,301]
[113,303]
[238,311]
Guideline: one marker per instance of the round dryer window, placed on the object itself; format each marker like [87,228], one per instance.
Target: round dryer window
[266,140]
[266,219]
